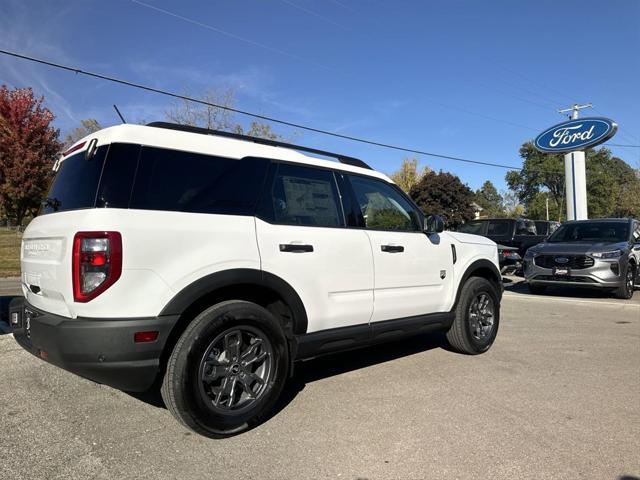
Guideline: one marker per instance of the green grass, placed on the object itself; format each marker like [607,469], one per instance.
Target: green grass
[9,253]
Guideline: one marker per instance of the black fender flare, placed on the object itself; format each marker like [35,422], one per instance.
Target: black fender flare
[245,277]
[481,264]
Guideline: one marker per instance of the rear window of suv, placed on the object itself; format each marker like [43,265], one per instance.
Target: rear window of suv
[75,183]
[129,176]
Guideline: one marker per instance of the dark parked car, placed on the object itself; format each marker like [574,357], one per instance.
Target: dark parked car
[519,232]
[509,259]
[587,253]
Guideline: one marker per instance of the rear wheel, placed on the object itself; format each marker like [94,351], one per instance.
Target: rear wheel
[537,289]
[475,326]
[227,369]
[625,291]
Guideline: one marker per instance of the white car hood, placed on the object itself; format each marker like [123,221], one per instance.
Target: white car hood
[469,238]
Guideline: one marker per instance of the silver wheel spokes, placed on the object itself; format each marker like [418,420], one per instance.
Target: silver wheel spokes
[481,316]
[235,369]
[630,276]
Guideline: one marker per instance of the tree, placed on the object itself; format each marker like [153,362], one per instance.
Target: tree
[512,206]
[537,207]
[89,125]
[407,175]
[28,148]
[193,114]
[490,200]
[540,171]
[444,194]
[607,178]
[186,112]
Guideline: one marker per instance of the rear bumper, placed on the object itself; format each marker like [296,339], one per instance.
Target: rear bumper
[102,350]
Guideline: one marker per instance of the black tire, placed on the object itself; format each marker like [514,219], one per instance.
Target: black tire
[461,335]
[625,291]
[191,400]
[537,289]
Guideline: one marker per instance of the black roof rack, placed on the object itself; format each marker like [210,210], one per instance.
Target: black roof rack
[273,143]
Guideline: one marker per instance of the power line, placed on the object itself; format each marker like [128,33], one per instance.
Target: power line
[228,34]
[261,117]
[621,145]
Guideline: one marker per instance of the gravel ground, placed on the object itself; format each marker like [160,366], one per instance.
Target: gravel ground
[556,397]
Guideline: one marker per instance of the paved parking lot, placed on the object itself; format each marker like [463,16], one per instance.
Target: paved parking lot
[557,397]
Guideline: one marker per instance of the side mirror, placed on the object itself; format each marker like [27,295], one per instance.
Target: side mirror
[434,224]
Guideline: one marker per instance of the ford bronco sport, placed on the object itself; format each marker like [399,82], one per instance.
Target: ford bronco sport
[211,262]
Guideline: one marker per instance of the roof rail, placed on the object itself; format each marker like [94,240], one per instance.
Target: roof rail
[263,141]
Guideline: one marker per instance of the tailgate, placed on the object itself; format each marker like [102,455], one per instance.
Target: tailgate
[46,262]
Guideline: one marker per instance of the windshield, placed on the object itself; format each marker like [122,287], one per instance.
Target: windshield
[608,232]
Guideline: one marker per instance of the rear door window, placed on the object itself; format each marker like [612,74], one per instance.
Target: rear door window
[301,195]
[189,182]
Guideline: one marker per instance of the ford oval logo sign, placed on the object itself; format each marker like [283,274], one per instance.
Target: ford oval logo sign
[562,260]
[576,135]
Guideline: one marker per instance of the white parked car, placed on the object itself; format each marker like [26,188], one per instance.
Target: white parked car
[211,262]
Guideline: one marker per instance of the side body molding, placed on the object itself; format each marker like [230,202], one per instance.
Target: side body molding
[240,277]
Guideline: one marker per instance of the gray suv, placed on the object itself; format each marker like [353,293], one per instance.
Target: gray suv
[601,253]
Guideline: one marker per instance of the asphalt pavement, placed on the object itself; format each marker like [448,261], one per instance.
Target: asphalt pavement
[557,397]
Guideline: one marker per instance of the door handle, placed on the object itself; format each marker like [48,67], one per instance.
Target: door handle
[392,248]
[295,248]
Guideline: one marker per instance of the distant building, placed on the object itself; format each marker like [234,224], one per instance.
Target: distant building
[477,209]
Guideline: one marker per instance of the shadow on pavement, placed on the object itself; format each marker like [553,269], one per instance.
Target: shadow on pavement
[520,287]
[309,371]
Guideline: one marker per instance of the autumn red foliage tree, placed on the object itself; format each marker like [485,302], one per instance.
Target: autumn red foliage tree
[28,149]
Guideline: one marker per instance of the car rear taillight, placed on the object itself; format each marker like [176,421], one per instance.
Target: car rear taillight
[96,264]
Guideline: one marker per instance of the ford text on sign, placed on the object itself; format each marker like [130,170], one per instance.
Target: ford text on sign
[576,135]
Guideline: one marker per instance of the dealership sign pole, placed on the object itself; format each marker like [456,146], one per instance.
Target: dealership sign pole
[572,138]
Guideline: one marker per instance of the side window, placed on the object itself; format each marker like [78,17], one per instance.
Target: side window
[525,227]
[189,182]
[382,207]
[475,228]
[300,195]
[498,228]
[636,233]
[117,176]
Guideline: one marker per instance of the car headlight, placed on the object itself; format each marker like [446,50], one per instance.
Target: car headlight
[611,254]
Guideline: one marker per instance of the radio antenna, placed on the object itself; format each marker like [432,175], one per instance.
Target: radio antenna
[119,114]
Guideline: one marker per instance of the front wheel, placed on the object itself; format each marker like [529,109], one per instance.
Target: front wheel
[475,326]
[625,291]
[227,369]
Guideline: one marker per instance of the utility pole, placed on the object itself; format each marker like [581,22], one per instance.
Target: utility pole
[575,174]
[547,207]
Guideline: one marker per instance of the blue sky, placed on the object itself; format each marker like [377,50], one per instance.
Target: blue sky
[463,78]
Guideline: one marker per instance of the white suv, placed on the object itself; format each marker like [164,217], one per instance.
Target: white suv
[211,262]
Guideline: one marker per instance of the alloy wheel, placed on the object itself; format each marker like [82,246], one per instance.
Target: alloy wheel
[235,370]
[481,316]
